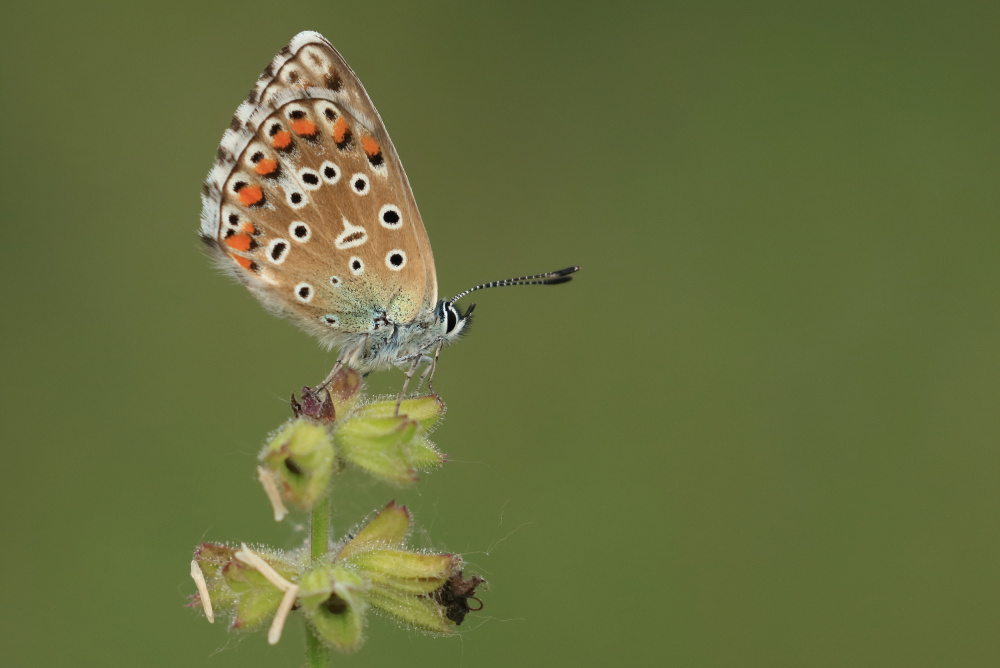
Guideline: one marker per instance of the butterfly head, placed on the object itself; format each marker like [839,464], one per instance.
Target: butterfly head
[454,323]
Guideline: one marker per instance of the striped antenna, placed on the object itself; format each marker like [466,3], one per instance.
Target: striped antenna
[550,278]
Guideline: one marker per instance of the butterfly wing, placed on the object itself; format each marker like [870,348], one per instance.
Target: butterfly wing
[308,204]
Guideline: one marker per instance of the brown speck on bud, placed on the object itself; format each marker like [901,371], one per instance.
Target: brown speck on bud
[454,596]
[313,406]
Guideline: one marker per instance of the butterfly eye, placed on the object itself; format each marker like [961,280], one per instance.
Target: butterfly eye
[304,292]
[359,184]
[300,231]
[389,216]
[452,319]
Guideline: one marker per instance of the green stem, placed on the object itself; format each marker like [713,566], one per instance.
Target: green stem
[320,534]
[317,654]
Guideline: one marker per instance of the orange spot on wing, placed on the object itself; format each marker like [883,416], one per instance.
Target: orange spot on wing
[239,242]
[246,263]
[282,140]
[266,166]
[371,146]
[251,195]
[248,228]
[340,130]
[303,126]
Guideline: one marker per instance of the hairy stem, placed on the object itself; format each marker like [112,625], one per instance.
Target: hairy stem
[320,535]
[317,654]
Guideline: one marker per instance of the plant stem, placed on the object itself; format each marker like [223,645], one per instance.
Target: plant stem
[317,654]
[320,535]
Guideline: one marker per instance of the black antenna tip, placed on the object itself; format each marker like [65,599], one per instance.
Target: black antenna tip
[561,276]
[548,278]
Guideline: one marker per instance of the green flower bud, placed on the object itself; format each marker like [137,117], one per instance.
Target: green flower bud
[417,588]
[301,458]
[211,559]
[333,600]
[389,446]
[426,410]
[235,587]
[258,597]
[409,572]
[419,611]
[372,569]
[387,529]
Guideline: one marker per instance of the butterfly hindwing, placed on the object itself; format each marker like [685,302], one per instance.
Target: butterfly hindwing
[309,206]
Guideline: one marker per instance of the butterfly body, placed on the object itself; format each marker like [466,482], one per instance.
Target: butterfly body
[308,206]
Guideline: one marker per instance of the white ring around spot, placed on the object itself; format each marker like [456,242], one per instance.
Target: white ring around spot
[284,253]
[388,263]
[308,297]
[294,226]
[310,186]
[355,260]
[358,176]
[336,172]
[399,217]
[303,200]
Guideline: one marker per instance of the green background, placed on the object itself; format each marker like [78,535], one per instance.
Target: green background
[760,429]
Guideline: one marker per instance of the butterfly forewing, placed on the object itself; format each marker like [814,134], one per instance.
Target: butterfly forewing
[308,204]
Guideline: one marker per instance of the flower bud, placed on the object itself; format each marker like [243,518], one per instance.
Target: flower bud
[389,446]
[411,586]
[235,587]
[301,458]
[387,529]
[333,600]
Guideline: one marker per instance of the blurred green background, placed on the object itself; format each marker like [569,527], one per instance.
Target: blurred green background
[760,429]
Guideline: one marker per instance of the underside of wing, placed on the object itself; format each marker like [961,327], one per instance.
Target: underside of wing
[309,206]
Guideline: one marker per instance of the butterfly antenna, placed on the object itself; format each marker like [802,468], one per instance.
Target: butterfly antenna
[550,278]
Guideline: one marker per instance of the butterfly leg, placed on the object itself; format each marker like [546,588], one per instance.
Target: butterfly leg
[431,368]
[345,358]
[409,375]
[333,372]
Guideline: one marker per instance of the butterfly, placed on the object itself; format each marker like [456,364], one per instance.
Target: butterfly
[308,206]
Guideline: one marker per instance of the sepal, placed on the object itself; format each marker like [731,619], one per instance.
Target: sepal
[390,446]
[333,599]
[300,458]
